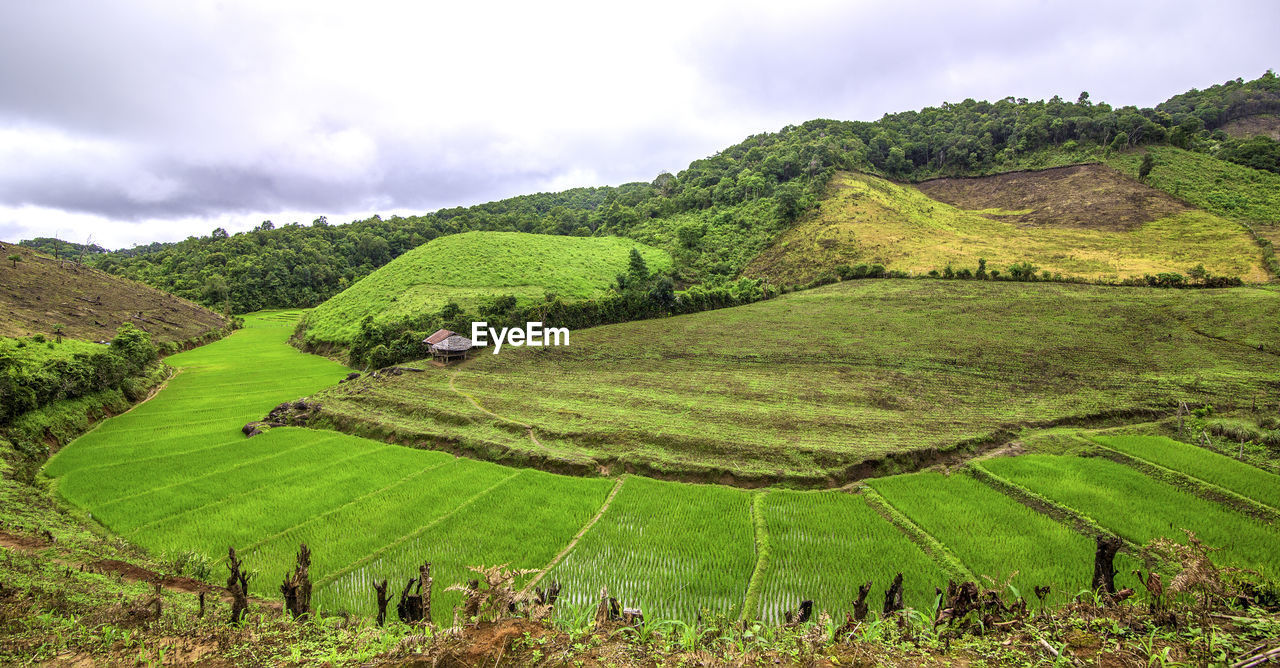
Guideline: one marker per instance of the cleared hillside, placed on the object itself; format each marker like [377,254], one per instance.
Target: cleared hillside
[821,385]
[1079,196]
[1076,221]
[467,268]
[1265,125]
[39,292]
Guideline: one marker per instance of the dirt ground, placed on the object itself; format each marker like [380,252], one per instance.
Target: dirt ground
[1080,196]
[1251,126]
[39,292]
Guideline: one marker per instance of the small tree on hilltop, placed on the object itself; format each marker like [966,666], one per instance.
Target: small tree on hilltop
[15,259]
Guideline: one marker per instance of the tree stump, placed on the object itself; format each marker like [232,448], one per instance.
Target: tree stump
[381,588]
[1104,569]
[471,609]
[548,597]
[860,606]
[607,610]
[237,586]
[893,597]
[416,607]
[800,615]
[297,588]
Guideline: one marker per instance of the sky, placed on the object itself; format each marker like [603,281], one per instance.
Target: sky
[131,122]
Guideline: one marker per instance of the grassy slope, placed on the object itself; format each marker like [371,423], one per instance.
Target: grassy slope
[40,292]
[866,219]
[466,267]
[808,384]
[30,354]
[1217,186]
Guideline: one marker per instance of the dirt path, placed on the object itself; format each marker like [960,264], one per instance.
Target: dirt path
[528,427]
[574,542]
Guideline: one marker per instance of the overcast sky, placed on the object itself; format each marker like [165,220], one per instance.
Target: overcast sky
[151,121]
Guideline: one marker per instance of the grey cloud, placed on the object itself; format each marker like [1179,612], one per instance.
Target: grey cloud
[197,96]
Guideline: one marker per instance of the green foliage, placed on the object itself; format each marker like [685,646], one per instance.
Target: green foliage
[62,249]
[36,376]
[15,259]
[1148,163]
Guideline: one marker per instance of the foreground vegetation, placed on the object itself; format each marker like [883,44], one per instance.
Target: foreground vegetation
[820,386]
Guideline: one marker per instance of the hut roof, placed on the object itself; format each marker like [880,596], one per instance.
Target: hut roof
[440,335]
[453,344]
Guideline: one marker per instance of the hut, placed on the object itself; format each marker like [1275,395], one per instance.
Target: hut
[451,348]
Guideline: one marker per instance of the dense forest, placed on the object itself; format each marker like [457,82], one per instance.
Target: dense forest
[720,211]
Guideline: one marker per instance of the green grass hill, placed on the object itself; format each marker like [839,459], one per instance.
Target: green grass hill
[475,266]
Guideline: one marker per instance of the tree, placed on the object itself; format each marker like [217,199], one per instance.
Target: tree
[1148,162]
[637,269]
[897,161]
[15,259]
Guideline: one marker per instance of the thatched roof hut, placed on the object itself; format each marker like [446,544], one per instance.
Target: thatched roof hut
[451,347]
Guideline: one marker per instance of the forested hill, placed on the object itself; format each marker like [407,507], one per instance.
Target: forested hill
[721,211]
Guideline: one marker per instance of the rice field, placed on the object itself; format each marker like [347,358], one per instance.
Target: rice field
[824,545]
[1197,462]
[1141,509]
[798,388]
[176,475]
[992,534]
[672,549]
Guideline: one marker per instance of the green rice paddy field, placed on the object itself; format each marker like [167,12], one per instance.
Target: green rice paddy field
[176,474]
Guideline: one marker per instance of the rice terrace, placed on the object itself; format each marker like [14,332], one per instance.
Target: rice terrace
[995,383]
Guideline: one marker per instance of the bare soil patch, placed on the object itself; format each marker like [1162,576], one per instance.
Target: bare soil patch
[1079,196]
[39,292]
[1251,126]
